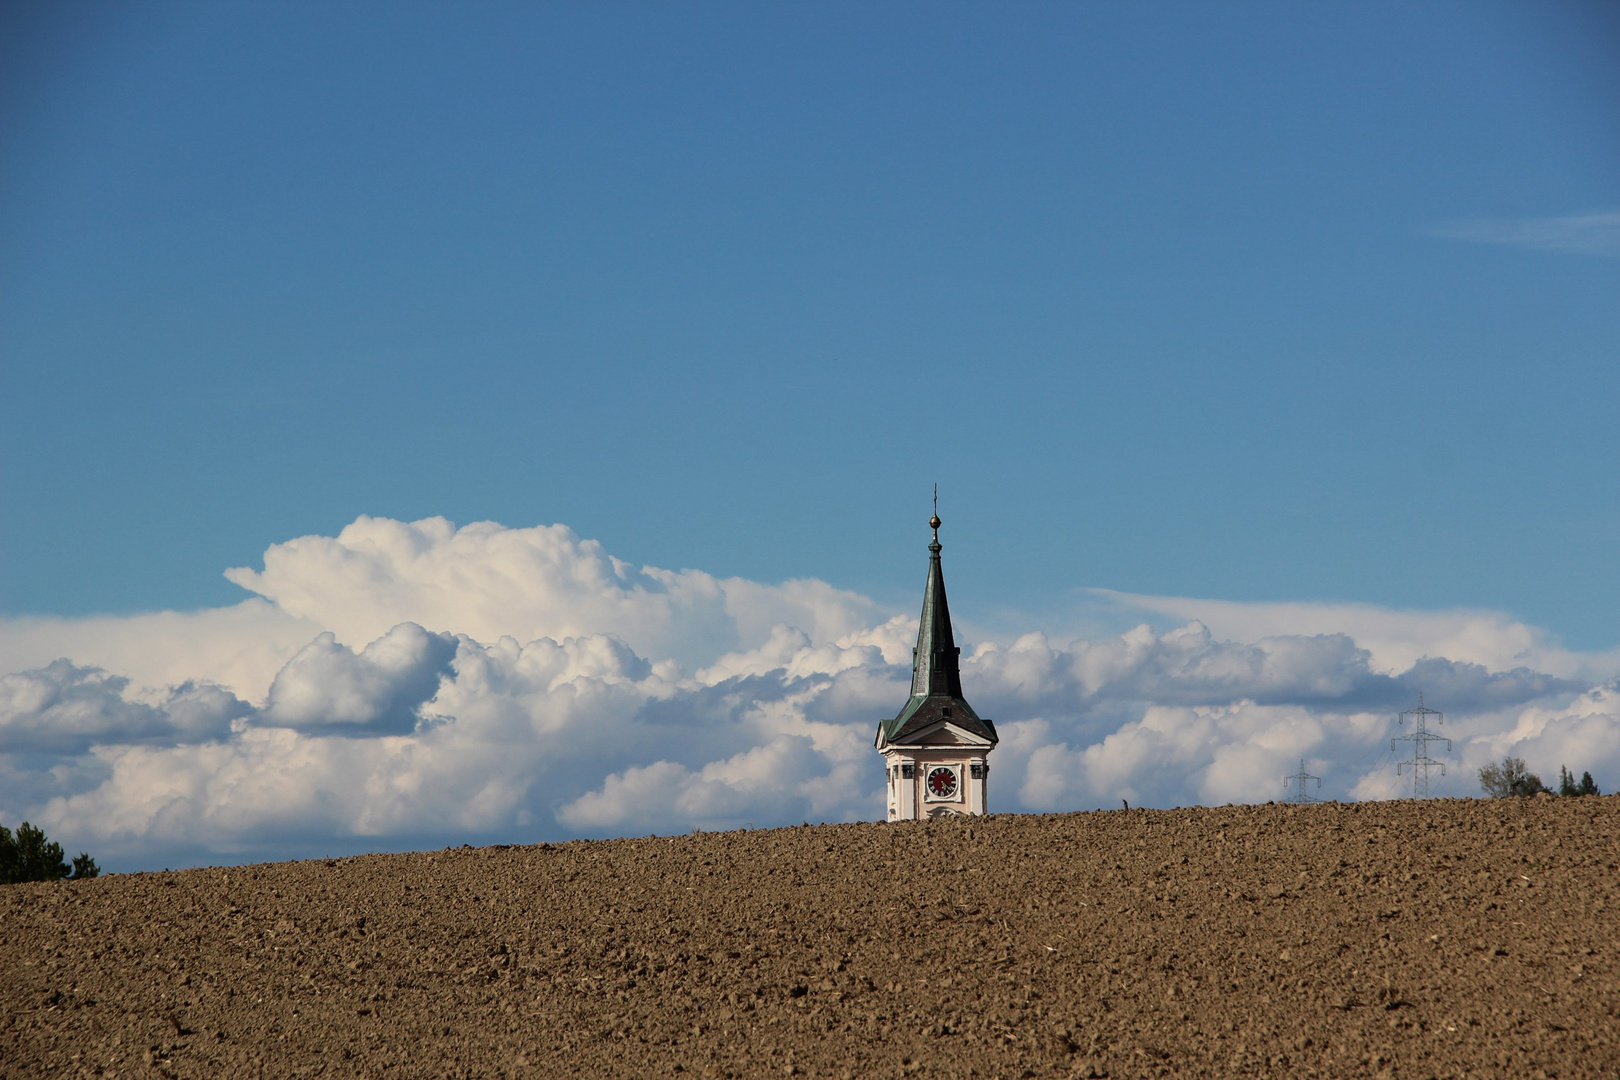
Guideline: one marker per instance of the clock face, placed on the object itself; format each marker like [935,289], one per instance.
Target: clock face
[942,783]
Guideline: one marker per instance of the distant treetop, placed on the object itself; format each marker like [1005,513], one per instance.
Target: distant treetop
[1510,776]
[30,856]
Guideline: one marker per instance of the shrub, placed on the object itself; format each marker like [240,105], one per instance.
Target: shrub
[1510,777]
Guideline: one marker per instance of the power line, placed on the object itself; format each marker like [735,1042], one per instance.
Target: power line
[1299,795]
[1420,739]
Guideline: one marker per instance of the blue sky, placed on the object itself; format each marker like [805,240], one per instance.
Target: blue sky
[1241,301]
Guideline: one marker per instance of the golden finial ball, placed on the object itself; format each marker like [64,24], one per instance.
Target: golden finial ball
[934,522]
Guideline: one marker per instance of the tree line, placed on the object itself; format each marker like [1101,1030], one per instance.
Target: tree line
[1511,777]
[30,855]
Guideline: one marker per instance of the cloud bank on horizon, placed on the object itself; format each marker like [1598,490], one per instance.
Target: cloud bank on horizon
[406,684]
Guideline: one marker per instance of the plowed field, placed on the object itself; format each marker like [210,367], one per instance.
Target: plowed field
[1434,939]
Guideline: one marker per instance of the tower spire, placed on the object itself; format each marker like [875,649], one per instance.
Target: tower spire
[936,662]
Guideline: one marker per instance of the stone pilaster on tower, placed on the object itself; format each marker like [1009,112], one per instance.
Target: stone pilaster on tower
[936,748]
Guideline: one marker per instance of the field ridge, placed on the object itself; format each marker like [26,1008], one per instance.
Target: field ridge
[1449,937]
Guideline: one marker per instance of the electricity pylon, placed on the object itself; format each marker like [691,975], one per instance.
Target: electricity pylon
[1420,739]
[1299,795]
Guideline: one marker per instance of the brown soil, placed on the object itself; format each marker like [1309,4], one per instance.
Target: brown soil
[1443,938]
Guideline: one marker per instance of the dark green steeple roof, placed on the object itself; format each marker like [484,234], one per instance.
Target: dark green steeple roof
[936,671]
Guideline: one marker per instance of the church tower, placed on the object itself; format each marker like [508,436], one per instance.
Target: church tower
[937,747]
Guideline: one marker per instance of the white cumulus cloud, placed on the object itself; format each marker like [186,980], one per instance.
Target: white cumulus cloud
[63,708]
[328,686]
[489,581]
[1394,640]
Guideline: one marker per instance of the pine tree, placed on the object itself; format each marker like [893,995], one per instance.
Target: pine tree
[30,856]
[1567,784]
